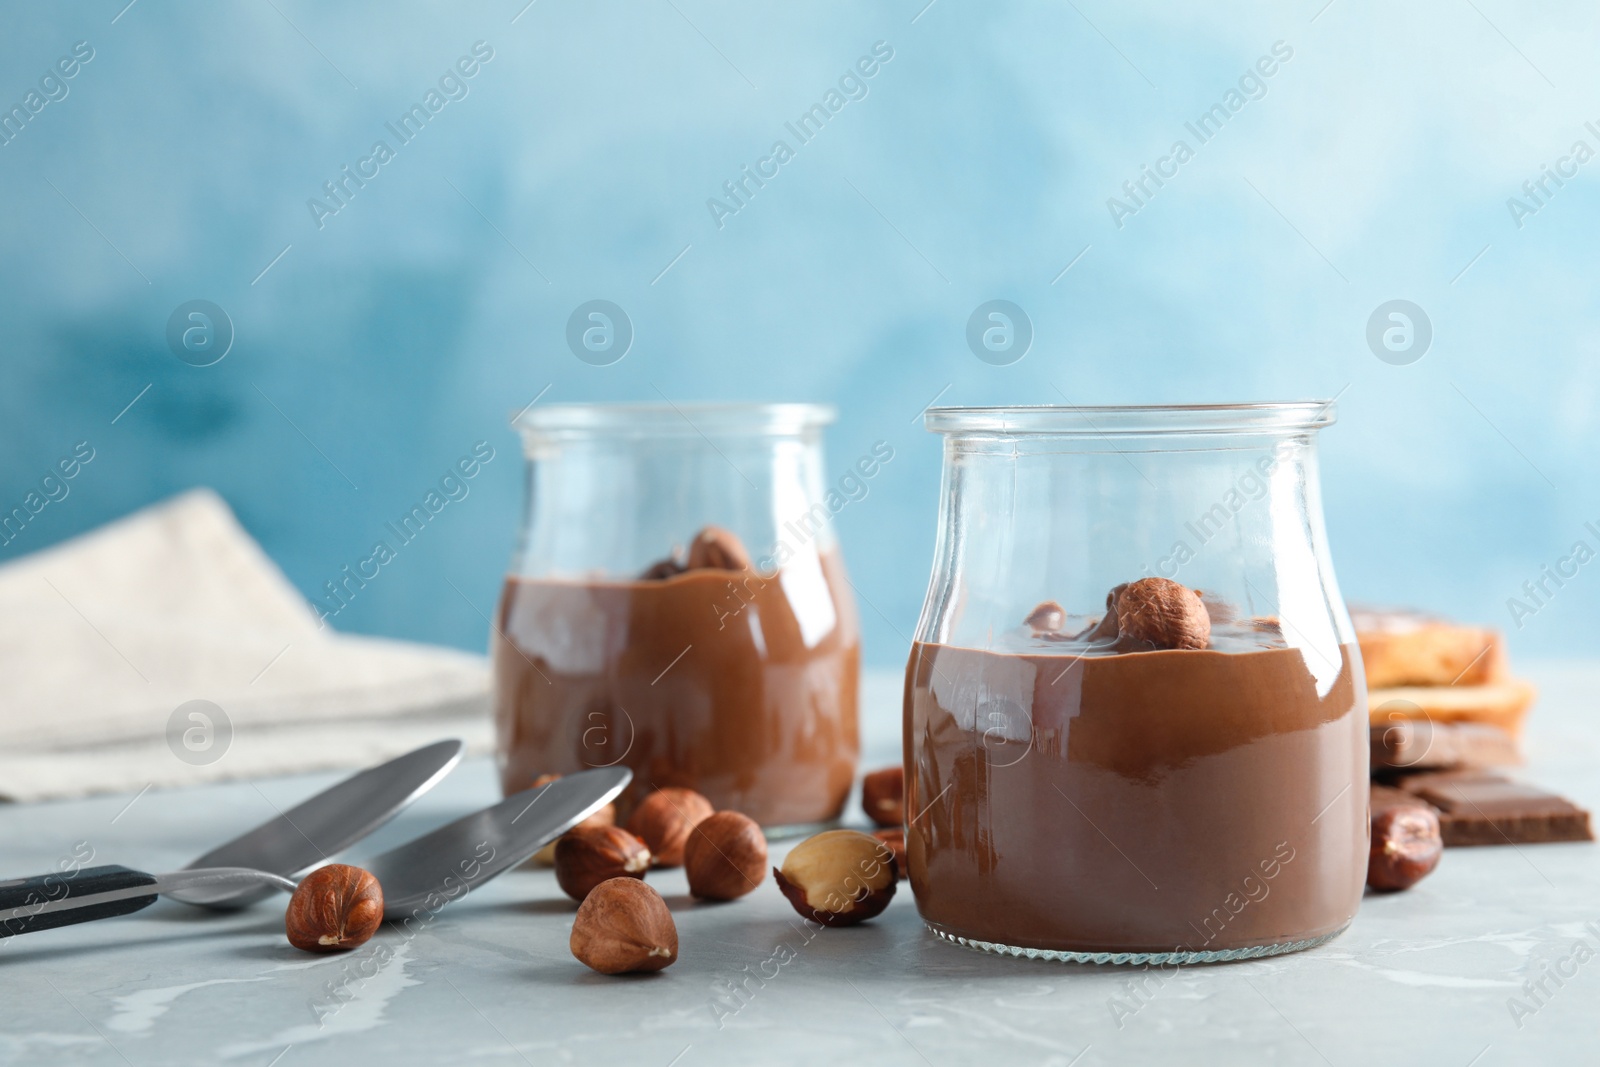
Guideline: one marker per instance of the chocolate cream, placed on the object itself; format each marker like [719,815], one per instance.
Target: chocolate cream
[737,684]
[1160,801]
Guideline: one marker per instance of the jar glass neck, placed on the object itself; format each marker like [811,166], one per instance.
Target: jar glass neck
[1042,517]
[1131,422]
[644,423]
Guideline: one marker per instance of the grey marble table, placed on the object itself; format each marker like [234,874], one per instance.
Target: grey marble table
[1424,977]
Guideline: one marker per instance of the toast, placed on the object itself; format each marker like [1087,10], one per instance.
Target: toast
[1503,704]
[1407,648]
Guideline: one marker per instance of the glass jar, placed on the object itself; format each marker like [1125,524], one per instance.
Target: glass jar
[1091,775]
[678,604]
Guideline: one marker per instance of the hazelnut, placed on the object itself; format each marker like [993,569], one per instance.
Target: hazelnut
[585,857]
[606,816]
[623,925]
[334,907]
[1160,613]
[1046,618]
[726,856]
[663,821]
[718,548]
[839,877]
[662,569]
[1406,845]
[883,796]
[896,840]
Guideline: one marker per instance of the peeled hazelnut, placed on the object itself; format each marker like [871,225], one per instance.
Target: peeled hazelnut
[1406,846]
[719,548]
[883,796]
[839,877]
[606,816]
[726,856]
[1160,613]
[334,907]
[896,840]
[663,821]
[623,925]
[1046,618]
[585,857]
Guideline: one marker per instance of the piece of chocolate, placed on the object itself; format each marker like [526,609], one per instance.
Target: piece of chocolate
[1478,808]
[1423,746]
[1384,797]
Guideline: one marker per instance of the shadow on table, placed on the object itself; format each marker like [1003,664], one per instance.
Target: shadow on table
[48,944]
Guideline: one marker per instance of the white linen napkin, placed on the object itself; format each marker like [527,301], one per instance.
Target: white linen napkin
[106,638]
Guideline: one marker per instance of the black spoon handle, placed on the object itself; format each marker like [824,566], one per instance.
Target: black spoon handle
[23,900]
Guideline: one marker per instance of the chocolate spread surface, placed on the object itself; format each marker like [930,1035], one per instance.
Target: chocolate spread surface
[740,685]
[1177,800]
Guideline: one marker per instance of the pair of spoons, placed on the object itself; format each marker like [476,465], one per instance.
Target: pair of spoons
[418,877]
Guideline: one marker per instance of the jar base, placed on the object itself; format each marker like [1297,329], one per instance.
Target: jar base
[1137,958]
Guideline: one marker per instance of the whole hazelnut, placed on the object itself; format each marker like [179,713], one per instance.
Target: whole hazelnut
[883,796]
[661,570]
[726,856]
[1406,845]
[1160,614]
[839,877]
[896,840]
[606,816]
[334,907]
[663,821]
[587,856]
[715,547]
[1047,617]
[623,926]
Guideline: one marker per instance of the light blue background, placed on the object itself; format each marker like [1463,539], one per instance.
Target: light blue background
[1377,166]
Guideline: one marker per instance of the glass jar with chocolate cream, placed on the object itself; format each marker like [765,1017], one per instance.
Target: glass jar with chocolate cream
[677,604]
[1135,718]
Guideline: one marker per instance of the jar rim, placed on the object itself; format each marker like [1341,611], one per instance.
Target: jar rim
[651,419]
[1128,420]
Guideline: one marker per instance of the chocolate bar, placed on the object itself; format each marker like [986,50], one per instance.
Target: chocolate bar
[1384,797]
[1478,808]
[1422,746]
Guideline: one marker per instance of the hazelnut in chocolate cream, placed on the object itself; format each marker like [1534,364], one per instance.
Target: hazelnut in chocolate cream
[1135,722]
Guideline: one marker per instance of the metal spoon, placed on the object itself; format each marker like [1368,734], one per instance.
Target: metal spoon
[418,878]
[309,833]
[286,846]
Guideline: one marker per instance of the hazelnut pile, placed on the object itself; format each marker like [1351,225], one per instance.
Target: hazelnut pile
[622,924]
[835,878]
